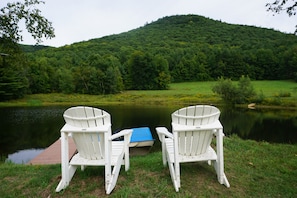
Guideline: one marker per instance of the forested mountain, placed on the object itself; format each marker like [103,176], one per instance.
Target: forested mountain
[171,49]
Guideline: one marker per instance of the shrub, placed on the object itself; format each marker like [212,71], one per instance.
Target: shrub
[283,94]
[260,98]
[233,94]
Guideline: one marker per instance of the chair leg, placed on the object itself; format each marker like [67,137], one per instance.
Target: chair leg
[225,181]
[114,175]
[164,155]
[127,159]
[221,175]
[66,178]
[61,185]
[209,162]
[219,163]
[67,169]
[173,176]
[162,138]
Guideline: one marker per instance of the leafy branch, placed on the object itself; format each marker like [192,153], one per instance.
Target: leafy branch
[279,6]
[37,25]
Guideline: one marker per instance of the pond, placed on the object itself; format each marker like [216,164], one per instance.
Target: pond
[26,131]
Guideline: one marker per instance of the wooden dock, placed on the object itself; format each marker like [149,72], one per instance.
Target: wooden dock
[141,143]
[52,154]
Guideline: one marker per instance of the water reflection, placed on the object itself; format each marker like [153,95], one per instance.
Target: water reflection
[23,156]
[27,129]
[279,126]
[38,127]
[24,127]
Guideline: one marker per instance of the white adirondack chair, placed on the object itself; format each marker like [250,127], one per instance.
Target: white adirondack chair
[193,129]
[90,129]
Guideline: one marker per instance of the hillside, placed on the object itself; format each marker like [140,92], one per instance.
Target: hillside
[33,48]
[184,32]
[172,49]
[198,30]
[192,30]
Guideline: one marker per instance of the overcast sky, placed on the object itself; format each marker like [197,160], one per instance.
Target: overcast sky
[81,20]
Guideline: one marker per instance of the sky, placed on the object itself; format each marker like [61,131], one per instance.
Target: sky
[82,20]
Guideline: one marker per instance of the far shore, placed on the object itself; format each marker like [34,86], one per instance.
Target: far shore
[188,93]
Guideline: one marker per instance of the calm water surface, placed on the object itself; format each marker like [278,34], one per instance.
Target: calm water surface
[25,132]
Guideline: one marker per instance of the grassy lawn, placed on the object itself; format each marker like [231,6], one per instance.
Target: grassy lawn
[254,169]
[276,93]
[273,88]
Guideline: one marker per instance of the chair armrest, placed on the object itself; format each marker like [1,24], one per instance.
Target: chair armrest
[215,125]
[72,129]
[125,133]
[163,131]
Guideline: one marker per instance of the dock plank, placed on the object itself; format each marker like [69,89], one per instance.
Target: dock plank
[52,154]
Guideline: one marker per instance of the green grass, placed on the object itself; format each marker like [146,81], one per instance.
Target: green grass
[271,88]
[254,169]
[273,93]
[277,93]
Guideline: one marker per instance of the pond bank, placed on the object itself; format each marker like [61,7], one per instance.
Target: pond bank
[137,97]
[272,94]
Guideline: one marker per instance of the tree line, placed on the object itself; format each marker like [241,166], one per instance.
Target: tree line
[172,49]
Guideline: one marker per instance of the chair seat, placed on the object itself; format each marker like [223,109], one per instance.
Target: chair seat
[117,149]
[210,154]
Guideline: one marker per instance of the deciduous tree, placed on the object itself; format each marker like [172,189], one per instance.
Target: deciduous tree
[13,79]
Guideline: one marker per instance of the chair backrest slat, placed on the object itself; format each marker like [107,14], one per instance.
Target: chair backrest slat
[196,115]
[89,145]
[195,142]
